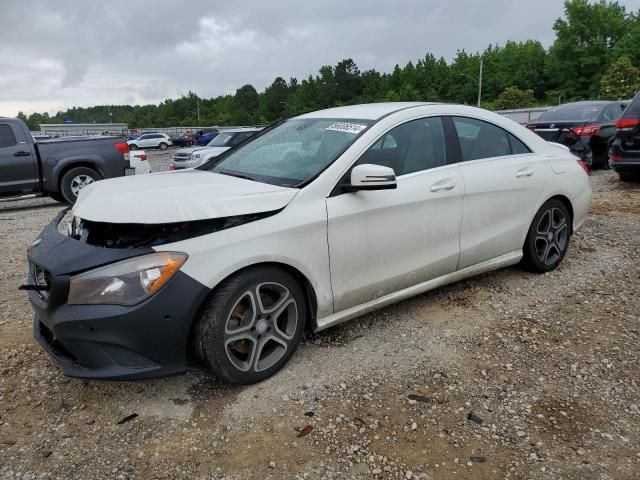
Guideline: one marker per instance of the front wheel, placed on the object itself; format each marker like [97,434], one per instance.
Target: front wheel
[133,146]
[251,326]
[548,238]
[75,180]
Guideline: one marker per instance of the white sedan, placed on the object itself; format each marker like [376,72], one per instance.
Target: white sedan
[317,220]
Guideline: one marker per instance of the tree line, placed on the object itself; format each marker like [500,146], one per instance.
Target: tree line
[595,54]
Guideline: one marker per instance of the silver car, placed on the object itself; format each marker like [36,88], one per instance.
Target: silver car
[195,156]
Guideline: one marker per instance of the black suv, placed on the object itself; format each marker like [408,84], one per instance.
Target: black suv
[625,152]
[587,128]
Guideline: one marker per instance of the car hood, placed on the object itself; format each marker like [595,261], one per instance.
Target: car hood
[189,150]
[177,196]
[212,151]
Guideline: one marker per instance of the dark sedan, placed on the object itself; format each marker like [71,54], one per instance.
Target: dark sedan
[587,128]
[183,140]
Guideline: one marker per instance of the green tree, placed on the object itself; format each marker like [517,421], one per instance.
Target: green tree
[513,97]
[245,105]
[273,101]
[584,43]
[622,80]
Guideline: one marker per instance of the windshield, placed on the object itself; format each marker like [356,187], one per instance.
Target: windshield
[293,152]
[568,113]
[222,139]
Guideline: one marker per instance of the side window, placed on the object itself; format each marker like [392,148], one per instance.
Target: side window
[479,139]
[411,147]
[517,147]
[7,138]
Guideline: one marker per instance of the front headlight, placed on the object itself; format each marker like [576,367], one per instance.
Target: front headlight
[195,156]
[127,282]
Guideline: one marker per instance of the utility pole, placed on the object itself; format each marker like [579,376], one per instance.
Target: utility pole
[198,109]
[480,83]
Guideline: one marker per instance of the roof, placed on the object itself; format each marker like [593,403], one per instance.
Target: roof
[367,111]
[235,130]
[82,125]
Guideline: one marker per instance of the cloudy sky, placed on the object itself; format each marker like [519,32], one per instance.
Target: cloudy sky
[63,53]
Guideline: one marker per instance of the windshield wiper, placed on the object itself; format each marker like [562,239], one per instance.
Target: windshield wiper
[235,174]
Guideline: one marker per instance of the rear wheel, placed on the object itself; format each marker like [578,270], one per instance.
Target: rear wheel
[75,180]
[548,237]
[163,146]
[133,146]
[251,326]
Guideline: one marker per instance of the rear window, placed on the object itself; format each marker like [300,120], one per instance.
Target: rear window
[569,113]
[7,138]
[633,110]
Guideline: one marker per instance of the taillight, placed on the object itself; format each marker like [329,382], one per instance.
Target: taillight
[122,147]
[587,131]
[627,124]
[616,158]
[141,156]
[584,166]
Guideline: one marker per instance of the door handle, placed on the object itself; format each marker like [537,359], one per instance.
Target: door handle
[437,187]
[525,172]
[22,153]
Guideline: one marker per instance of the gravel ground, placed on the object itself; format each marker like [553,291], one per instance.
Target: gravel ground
[509,375]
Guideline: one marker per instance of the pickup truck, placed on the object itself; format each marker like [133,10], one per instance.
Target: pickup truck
[57,168]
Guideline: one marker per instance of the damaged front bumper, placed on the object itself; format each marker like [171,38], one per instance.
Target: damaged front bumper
[107,341]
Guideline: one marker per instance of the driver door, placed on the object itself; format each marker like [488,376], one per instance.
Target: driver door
[384,241]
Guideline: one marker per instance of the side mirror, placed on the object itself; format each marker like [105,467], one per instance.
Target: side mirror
[372,177]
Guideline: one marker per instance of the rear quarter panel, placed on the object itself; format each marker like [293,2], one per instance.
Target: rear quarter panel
[567,178]
[98,153]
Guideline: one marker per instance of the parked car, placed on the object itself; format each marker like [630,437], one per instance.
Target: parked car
[138,161]
[182,140]
[151,140]
[625,153]
[587,128]
[206,138]
[57,168]
[317,220]
[192,157]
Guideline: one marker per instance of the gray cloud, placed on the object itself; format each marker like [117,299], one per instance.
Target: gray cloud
[69,53]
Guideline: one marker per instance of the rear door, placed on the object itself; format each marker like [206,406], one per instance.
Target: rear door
[384,241]
[18,164]
[503,183]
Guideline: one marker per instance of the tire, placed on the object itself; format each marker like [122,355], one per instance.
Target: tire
[242,341]
[163,146]
[548,238]
[133,146]
[74,180]
[587,157]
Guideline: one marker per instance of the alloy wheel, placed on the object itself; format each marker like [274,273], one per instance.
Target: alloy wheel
[552,236]
[260,327]
[79,182]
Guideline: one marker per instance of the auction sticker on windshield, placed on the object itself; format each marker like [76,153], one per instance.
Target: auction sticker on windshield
[346,127]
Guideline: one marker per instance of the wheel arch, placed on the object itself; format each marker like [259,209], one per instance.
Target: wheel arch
[567,203]
[75,164]
[307,288]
